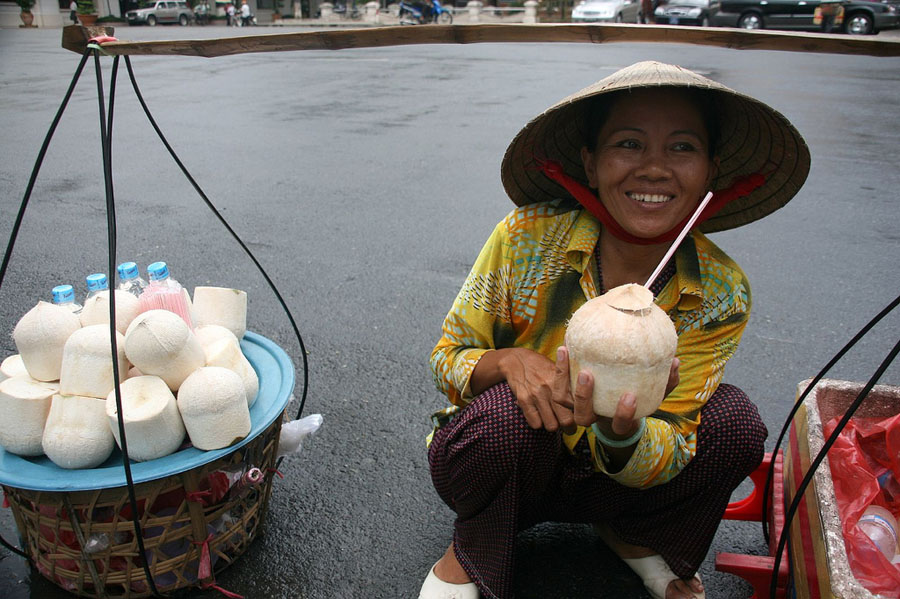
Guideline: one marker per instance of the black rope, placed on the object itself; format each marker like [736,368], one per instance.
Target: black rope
[801,489]
[106,144]
[222,220]
[37,168]
[13,548]
[787,423]
[7,255]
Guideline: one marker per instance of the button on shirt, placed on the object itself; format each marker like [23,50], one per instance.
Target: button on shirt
[538,267]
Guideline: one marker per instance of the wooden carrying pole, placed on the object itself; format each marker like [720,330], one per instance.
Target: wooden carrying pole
[75,38]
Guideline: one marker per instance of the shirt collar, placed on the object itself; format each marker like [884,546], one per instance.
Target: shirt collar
[686,283]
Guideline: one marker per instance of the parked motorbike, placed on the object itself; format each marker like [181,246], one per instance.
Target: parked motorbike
[417,13]
[239,21]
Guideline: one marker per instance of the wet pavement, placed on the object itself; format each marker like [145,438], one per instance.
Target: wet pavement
[365,181]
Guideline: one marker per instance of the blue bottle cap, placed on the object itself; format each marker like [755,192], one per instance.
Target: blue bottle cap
[63,294]
[128,271]
[158,271]
[97,282]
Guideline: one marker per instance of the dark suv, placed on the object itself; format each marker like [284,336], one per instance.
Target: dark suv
[860,16]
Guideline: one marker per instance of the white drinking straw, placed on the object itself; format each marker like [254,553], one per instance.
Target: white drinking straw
[678,239]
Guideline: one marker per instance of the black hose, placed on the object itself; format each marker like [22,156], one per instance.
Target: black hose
[7,255]
[787,423]
[801,489]
[106,143]
[237,238]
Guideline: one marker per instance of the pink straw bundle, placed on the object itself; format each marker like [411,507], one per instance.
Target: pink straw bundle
[162,297]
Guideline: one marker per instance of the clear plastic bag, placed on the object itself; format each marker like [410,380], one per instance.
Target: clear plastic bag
[293,433]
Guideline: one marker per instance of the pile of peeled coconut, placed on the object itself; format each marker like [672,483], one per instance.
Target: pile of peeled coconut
[177,379]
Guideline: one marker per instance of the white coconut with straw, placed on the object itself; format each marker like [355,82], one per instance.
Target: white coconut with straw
[626,341]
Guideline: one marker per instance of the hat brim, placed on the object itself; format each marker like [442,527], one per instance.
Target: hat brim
[754,139]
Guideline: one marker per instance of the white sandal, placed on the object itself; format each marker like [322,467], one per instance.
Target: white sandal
[656,575]
[435,588]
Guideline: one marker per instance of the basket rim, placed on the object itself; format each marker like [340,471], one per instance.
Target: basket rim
[276,383]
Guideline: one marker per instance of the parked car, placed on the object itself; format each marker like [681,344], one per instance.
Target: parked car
[610,11]
[161,11]
[860,16]
[686,12]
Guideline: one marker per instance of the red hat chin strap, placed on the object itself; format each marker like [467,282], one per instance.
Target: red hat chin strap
[742,186]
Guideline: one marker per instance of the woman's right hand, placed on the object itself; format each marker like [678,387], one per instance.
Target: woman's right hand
[540,385]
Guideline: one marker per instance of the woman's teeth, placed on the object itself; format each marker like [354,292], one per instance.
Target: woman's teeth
[651,198]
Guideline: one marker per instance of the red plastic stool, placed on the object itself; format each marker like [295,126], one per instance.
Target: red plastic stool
[757,569]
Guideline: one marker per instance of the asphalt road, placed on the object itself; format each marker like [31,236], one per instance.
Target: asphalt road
[365,181]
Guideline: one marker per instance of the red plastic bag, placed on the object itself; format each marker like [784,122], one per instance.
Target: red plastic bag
[866,450]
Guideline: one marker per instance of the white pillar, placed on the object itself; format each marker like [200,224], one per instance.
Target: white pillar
[530,12]
[296,10]
[327,11]
[474,7]
[47,14]
[372,12]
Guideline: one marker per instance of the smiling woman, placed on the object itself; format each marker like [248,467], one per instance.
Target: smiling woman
[604,182]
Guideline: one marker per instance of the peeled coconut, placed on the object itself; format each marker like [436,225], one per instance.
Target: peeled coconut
[221,306]
[87,367]
[153,426]
[160,343]
[228,354]
[628,343]
[96,309]
[12,366]
[214,408]
[210,333]
[77,432]
[40,336]
[24,403]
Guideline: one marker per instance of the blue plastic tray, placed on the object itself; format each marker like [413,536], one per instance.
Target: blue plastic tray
[276,382]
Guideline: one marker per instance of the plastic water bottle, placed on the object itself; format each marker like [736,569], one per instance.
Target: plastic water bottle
[159,274]
[880,525]
[96,283]
[64,296]
[165,293]
[130,279]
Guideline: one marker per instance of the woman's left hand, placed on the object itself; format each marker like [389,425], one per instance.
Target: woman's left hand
[570,407]
[623,423]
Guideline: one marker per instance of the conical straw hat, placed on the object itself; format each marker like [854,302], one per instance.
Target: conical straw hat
[754,139]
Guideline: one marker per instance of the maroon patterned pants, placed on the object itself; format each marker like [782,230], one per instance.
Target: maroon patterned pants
[501,476]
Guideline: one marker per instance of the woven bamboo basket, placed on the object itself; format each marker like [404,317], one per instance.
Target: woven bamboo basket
[197,511]
[84,541]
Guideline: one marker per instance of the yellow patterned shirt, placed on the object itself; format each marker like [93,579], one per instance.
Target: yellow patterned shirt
[538,267]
